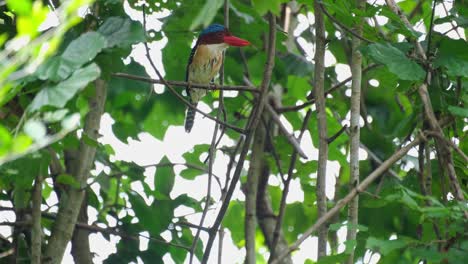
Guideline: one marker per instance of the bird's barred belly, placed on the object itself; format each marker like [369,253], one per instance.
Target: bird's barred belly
[203,74]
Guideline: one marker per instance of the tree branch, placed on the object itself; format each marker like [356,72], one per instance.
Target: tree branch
[355,191]
[319,92]
[251,187]
[282,208]
[250,128]
[356,70]
[36,240]
[289,136]
[209,87]
[70,202]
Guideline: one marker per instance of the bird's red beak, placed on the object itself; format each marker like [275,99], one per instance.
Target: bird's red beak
[235,41]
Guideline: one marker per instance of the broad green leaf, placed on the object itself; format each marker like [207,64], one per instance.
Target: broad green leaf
[121,32]
[452,55]
[206,14]
[83,49]
[194,155]
[69,180]
[232,221]
[164,180]
[80,51]
[298,65]
[22,7]
[459,111]
[396,61]
[263,6]
[61,93]
[298,87]
[5,140]
[385,246]
[191,173]
[336,226]
[166,108]
[333,259]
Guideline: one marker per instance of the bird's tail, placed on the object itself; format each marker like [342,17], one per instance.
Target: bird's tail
[189,118]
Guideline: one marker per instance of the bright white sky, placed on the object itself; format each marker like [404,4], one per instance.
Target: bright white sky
[147,150]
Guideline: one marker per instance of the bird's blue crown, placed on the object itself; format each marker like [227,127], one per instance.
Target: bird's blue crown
[212,29]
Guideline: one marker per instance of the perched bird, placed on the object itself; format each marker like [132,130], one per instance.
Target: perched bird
[205,61]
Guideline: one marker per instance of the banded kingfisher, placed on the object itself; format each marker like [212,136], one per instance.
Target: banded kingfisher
[205,61]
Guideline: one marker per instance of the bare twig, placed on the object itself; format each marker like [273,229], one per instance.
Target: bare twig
[282,208]
[256,166]
[356,70]
[109,231]
[289,136]
[355,191]
[251,125]
[187,224]
[273,151]
[319,83]
[208,191]
[36,240]
[337,134]
[450,143]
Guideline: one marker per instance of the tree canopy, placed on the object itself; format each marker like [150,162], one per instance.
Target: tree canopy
[342,125]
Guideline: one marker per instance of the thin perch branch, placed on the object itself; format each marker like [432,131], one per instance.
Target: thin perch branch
[210,87]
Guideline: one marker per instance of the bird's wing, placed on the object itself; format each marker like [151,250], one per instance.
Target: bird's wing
[190,60]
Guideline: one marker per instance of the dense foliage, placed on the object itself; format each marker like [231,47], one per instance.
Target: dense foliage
[50,80]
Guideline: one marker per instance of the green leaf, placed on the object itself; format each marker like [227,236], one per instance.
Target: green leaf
[452,56]
[22,7]
[385,246]
[298,87]
[263,6]
[83,49]
[80,51]
[68,180]
[5,140]
[193,156]
[459,111]
[191,173]
[164,180]
[206,14]
[61,93]
[166,108]
[298,65]
[396,61]
[232,221]
[121,32]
